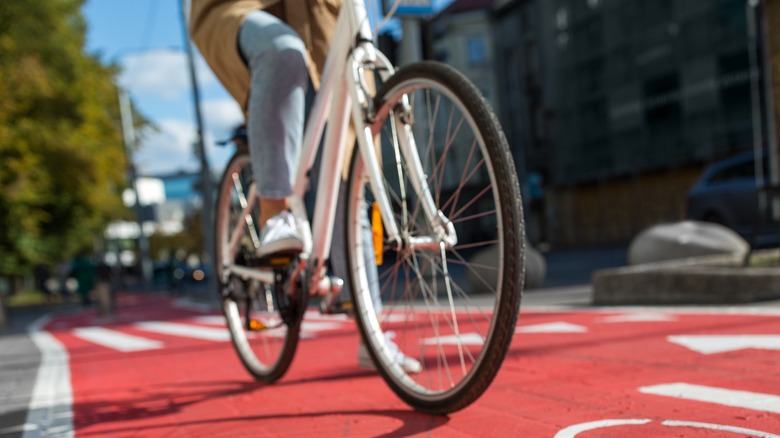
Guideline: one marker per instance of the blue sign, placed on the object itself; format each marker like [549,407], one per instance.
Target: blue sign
[417,8]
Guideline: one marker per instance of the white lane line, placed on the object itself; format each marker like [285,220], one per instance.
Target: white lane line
[711,344]
[315,325]
[184,330]
[727,397]
[734,311]
[465,339]
[50,411]
[552,327]
[116,340]
[187,303]
[639,317]
[210,320]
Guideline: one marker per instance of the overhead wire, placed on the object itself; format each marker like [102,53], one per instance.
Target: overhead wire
[151,20]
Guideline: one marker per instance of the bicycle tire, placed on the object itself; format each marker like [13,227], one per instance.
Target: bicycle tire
[266,354]
[494,327]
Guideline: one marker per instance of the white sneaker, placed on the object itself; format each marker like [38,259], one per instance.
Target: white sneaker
[408,364]
[280,236]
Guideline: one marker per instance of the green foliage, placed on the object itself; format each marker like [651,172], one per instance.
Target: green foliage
[61,155]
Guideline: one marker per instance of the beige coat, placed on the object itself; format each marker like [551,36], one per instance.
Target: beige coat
[214,26]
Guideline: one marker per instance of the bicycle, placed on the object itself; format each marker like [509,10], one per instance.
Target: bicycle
[420,216]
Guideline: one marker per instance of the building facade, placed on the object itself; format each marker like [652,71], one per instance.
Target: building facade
[620,103]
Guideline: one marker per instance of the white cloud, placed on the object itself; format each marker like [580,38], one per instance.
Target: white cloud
[171,148]
[168,149]
[163,73]
[221,117]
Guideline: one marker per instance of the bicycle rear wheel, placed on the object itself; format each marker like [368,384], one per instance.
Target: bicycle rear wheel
[454,309]
[263,335]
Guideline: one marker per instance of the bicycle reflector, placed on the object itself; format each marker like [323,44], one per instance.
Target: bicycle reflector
[256,325]
[378,231]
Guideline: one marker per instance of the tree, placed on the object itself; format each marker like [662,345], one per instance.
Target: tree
[190,239]
[62,163]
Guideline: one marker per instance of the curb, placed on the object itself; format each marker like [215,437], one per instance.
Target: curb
[699,280]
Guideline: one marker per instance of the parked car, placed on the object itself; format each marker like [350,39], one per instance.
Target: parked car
[727,194]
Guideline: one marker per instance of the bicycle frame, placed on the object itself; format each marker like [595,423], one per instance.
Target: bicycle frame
[343,87]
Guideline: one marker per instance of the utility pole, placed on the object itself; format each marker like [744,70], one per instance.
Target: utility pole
[205,172]
[128,131]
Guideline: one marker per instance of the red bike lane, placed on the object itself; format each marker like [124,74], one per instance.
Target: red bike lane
[158,369]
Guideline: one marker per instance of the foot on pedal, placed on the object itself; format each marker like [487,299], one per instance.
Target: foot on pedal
[279,237]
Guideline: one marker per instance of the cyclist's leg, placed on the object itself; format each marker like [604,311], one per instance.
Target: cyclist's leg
[276,58]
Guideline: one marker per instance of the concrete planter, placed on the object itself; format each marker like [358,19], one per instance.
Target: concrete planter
[697,280]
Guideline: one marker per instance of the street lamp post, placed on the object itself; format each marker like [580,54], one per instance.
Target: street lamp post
[764,130]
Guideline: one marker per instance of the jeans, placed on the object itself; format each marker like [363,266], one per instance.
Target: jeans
[278,99]
[276,58]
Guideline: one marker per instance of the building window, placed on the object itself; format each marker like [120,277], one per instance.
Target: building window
[476,51]
[562,19]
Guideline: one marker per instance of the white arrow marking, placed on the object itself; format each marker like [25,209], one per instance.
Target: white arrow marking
[734,429]
[572,431]
[711,344]
[309,329]
[184,330]
[727,397]
[465,339]
[552,327]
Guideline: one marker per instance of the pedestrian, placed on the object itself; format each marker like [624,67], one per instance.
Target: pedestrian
[267,54]
[63,273]
[84,271]
[41,273]
[104,287]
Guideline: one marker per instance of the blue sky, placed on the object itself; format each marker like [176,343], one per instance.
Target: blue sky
[146,38]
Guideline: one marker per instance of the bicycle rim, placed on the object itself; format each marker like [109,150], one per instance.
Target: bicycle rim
[264,343]
[452,309]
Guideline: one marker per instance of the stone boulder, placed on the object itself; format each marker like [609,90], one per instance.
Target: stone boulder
[681,240]
[535,268]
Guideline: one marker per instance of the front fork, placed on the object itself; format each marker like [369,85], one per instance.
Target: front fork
[405,148]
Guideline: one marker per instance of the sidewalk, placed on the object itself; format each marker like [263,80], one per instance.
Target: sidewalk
[567,284]
[20,318]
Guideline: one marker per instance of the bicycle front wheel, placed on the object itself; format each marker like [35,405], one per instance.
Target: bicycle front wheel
[263,337]
[452,308]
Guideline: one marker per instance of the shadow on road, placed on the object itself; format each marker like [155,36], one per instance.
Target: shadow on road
[159,402]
